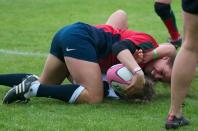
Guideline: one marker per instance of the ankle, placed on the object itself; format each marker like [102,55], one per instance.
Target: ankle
[177,115]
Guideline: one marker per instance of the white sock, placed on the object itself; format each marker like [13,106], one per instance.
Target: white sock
[33,89]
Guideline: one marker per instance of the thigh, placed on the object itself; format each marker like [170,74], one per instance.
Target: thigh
[118,20]
[54,71]
[191,31]
[87,74]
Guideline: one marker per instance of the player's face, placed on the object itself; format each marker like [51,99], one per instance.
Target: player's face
[159,70]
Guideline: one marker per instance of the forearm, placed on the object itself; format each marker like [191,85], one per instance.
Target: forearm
[126,58]
[137,83]
[164,50]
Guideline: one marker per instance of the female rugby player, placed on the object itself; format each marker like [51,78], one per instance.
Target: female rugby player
[82,52]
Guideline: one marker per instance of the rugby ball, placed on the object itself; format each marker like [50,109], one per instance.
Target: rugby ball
[119,77]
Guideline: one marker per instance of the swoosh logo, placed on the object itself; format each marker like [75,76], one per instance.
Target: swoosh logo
[68,49]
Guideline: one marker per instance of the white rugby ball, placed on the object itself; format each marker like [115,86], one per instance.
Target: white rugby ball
[119,77]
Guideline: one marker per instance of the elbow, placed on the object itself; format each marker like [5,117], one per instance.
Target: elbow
[172,49]
[173,52]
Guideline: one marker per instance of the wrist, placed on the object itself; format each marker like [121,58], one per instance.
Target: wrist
[137,70]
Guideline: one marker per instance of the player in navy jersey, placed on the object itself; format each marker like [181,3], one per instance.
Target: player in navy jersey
[188,56]
[80,51]
[165,12]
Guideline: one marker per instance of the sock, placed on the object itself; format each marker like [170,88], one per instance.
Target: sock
[109,92]
[33,89]
[68,93]
[106,88]
[166,14]
[12,79]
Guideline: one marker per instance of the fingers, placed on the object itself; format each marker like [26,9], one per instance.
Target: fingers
[136,86]
[138,52]
[138,55]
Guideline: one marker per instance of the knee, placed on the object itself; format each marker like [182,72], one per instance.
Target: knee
[95,96]
[90,97]
[95,99]
[191,45]
[121,12]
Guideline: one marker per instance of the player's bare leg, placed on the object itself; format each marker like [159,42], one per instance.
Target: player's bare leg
[118,19]
[54,71]
[188,56]
[88,75]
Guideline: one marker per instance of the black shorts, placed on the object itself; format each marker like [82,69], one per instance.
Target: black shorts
[74,41]
[190,6]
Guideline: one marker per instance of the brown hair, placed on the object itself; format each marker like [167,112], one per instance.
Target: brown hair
[146,94]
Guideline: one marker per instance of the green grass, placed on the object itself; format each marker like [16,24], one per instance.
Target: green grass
[29,25]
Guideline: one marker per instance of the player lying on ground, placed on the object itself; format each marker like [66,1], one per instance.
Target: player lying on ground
[82,52]
[156,63]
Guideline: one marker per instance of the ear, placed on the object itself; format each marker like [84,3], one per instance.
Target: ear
[166,58]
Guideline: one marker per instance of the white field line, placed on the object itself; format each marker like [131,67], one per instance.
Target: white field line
[29,54]
[21,53]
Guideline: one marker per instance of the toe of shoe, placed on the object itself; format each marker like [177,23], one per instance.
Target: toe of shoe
[9,97]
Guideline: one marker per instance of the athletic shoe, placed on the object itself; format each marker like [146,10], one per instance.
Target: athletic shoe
[17,93]
[173,122]
[177,43]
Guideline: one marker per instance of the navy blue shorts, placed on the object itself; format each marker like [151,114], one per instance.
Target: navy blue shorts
[190,6]
[75,41]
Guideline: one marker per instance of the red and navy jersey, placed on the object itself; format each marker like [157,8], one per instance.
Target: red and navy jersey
[141,40]
[98,44]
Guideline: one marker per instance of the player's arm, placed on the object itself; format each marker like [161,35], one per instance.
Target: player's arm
[124,50]
[124,55]
[163,50]
[127,44]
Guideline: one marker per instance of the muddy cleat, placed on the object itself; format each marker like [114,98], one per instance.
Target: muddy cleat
[174,123]
[18,93]
[177,43]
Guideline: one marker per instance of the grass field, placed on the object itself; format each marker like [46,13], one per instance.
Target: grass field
[27,26]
